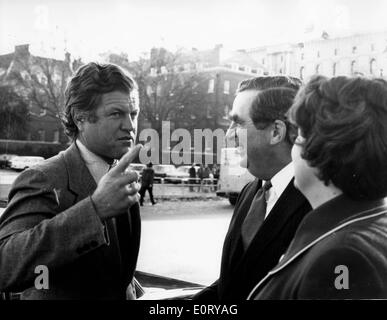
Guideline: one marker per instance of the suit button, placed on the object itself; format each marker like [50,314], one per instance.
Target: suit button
[93,244]
[79,250]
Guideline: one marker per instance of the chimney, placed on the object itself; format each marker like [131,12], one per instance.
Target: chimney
[22,51]
[67,57]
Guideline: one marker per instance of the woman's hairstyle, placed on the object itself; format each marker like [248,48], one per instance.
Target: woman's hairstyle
[344,123]
[84,91]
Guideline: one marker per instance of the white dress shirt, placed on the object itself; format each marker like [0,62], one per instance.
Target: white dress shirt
[279,183]
[96,165]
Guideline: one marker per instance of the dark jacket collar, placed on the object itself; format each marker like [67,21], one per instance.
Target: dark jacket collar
[80,180]
[323,221]
[337,212]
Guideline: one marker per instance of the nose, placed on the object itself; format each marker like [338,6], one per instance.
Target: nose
[231,135]
[128,124]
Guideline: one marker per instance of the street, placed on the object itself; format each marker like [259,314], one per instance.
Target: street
[184,239]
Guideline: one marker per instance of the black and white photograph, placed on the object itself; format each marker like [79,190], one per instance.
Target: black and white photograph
[219,152]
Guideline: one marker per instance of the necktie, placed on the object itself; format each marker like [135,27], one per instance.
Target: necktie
[255,216]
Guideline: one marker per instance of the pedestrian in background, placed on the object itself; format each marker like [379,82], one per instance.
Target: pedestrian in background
[147,178]
[192,177]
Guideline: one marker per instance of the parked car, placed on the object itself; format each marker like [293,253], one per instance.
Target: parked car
[179,175]
[21,163]
[162,170]
[138,167]
[5,160]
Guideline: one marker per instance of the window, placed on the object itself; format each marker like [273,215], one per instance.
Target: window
[158,90]
[199,65]
[335,52]
[334,69]
[209,115]
[280,71]
[354,49]
[241,68]
[353,67]
[282,58]
[302,56]
[149,90]
[41,135]
[56,136]
[372,47]
[226,111]
[373,67]
[318,54]
[226,88]
[302,73]
[317,69]
[254,71]
[211,86]
[263,61]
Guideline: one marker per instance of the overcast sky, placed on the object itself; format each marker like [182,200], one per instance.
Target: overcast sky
[89,27]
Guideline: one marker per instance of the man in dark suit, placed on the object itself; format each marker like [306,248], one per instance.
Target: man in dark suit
[72,226]
[269,209]
[147,178]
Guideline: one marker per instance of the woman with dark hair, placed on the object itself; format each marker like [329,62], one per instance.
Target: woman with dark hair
[340,159]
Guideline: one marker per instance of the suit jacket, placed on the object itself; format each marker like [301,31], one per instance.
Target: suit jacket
[338,252]
[51,221]
[241,270]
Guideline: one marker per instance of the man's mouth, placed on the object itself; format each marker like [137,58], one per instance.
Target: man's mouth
[127,140]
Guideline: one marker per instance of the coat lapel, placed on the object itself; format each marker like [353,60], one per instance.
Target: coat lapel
[289,202]
[81,182]
[234,243]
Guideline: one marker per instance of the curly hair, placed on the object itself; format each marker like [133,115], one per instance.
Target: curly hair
[84,91]
[344,123]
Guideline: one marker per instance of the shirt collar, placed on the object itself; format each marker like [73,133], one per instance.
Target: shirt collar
[281,180]
[96,165]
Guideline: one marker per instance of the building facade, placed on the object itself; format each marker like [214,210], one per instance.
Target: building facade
[352,54]
[41,82]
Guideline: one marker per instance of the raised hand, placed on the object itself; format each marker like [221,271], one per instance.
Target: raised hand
[118,189]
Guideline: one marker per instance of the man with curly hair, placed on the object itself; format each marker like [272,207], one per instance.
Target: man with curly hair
[76,215]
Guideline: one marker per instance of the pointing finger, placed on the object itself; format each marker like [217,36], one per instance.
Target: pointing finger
[126,159]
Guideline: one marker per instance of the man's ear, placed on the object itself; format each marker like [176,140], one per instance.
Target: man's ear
[79,122]
[278,132]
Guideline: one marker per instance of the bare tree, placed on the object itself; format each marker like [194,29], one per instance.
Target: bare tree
[13,110]
[42,81]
